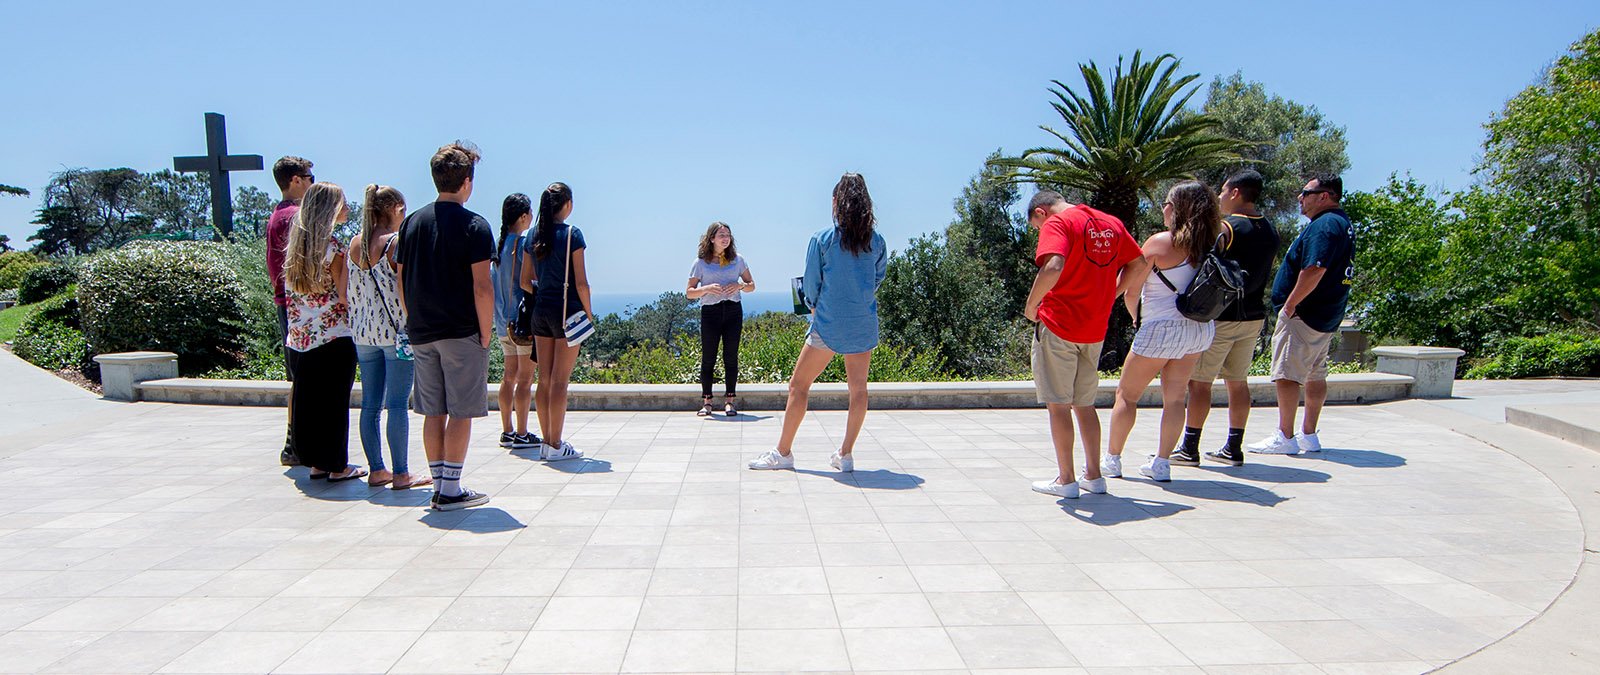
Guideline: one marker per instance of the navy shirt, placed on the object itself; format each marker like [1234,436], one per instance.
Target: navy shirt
[551,269]
[439,244]
[1328,242]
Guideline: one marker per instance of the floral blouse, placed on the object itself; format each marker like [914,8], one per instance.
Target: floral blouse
[315,319]
[374,301]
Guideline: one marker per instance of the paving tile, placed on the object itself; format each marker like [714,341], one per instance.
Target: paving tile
[460,652]
[239,652]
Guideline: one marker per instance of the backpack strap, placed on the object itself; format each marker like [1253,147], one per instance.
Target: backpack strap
[1229,235]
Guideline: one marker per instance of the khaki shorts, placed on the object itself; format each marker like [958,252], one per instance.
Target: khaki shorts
[1230,353]
[510,348]
[1065,372]
[1299,352]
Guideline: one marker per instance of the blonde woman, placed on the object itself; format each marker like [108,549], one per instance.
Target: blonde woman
[320,349]
[376,321]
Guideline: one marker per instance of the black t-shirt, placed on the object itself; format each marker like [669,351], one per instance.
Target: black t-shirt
[439,244]
[1254,245]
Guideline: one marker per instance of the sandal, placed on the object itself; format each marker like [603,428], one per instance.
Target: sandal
[728,409]
[351,472]
[705,410]
[410,482]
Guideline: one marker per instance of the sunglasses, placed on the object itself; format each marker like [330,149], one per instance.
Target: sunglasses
[1308,193]
[309,178]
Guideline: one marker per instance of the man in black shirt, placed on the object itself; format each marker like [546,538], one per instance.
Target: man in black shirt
[448,296]
[1253,242]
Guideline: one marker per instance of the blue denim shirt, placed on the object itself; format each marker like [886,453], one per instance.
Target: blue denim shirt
[842,289]
[507,276]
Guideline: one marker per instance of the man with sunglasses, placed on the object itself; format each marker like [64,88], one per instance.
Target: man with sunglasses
[293,176]
[1310,293]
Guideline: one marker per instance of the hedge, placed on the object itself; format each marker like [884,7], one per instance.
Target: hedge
[180,297]
[51,337]
[1562,353]
[44,282]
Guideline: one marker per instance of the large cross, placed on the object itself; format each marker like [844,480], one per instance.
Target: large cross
[218,163]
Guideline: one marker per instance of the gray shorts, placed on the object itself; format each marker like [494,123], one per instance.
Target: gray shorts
[451,378]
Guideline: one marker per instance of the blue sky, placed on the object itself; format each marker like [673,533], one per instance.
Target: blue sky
[664,116]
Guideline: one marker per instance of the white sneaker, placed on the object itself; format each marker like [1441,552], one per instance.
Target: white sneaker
[772,460]
[1157,469]
[1095,487]
[1054,489]
[1276,444]
[550,453]
[1111,466]
[844,463]
[1308,442]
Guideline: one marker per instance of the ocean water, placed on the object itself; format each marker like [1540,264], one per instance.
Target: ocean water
[754,303]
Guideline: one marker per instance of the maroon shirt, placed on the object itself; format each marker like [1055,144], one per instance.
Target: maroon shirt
[277,241]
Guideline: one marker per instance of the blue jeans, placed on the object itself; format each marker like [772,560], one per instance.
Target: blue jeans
[385,385]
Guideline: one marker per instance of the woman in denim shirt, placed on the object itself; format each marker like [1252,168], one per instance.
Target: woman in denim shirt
[844,266]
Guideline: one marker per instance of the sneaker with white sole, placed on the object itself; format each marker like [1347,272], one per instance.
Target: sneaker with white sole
[771,459]
[1095,486]
[1055,489]
[1308,442]
[466,500]
[1157,469]
[527,440]
[1276,444]
[507,438]
[551,453]
[1111,466]
[844,463]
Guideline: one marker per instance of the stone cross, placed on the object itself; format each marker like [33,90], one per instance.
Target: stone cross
[218,163]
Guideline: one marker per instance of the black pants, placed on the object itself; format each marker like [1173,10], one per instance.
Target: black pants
[321,394]
[722,322]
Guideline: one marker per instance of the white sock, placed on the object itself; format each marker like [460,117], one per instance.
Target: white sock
[450,480]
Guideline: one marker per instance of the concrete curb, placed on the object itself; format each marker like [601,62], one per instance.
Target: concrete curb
[1573,423]
[1355,388]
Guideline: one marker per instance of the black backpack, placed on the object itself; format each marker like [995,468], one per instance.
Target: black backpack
[1219,283]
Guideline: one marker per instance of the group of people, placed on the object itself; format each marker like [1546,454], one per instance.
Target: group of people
[416,300]
[1087,260]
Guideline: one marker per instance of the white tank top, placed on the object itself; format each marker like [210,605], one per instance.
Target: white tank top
[1159,303]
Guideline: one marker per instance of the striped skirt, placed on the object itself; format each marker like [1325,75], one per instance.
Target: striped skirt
[1173,338]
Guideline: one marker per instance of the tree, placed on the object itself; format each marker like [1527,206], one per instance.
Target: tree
[5,243]
[85,210]
[1287,143]
[938,299]
[178,204]
[661,321]
[251,209]
[987,230]
[1123,138]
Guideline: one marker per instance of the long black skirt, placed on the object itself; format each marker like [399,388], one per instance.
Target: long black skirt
[323,377]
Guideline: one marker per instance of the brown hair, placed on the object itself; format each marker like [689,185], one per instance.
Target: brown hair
[1196,219]
[303,268]
[375,208]
[708,248]
[453,165]
[852,213]
[286,168]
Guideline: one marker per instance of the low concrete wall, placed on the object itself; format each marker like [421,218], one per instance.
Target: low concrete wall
[1357,388]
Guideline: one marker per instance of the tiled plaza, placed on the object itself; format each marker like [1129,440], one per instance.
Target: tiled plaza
[170,541]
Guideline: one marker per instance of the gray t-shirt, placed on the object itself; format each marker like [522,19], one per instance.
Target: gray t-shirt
[725,275]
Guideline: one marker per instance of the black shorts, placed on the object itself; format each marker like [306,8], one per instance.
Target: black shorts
[548,324]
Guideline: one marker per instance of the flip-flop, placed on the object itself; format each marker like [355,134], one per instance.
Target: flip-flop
[415,482]
[381,483]
[317,476]
[355,472]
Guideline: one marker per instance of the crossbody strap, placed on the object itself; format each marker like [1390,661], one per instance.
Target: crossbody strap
[566,273]
[1164,279]
[393,322]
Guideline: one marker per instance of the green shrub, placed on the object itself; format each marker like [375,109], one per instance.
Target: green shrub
[1562,353]
[11,275]
[44,281]
[181,297]
[51,338]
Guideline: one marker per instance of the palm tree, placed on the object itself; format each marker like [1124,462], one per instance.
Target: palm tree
[1122,140]
[1125,137]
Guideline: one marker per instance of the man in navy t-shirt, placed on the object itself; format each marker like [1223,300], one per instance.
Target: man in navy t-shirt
[1310,294]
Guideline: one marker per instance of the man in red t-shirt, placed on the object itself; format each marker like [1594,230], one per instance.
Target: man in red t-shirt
[293,176]
[1084,256]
